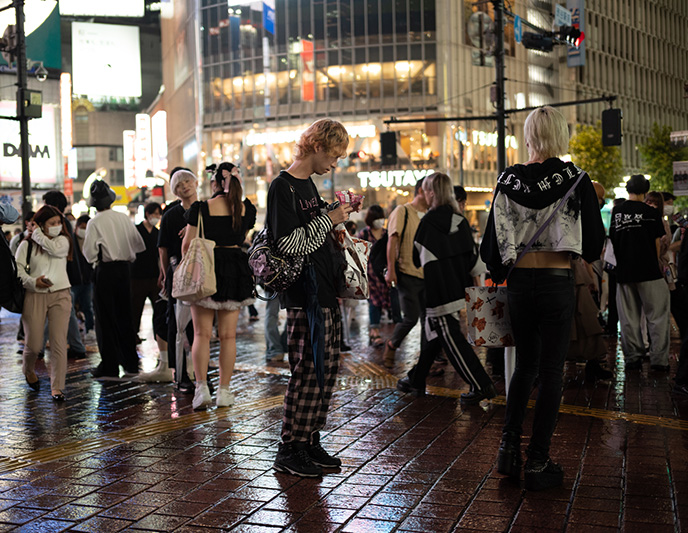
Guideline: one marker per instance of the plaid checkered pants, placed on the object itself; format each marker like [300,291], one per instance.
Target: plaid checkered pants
[305,411]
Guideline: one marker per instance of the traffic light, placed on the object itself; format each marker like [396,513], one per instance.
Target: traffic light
[537,41]
[572,35]
[388,147]
[611,127]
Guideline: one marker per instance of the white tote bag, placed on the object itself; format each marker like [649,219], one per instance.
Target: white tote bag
[194,278]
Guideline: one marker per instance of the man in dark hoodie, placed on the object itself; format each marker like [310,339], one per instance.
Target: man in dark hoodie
[541,287]
[444,247]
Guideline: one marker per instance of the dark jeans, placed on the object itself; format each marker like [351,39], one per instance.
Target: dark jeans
[82,295]
[541,305]
[613,312]
[412,300]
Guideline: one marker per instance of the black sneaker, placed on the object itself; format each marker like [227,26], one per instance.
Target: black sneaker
[404,385]
[634,365]
[321,458]
[296,462]
[476,396]
[542,474]
[186,386]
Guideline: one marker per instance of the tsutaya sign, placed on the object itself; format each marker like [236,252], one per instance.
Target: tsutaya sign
[392,178]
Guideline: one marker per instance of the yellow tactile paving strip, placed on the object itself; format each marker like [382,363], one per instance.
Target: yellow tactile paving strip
[364,375]
[124,436]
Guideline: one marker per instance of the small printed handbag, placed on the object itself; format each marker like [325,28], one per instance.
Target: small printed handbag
[350,257]
[274,271]
[271,269]
[487,308]
[194,278]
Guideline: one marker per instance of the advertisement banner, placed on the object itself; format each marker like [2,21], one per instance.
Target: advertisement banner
[576,56]
[307,71]
[681,178]
[44,158]
[106,60]
[143,148]
[269,16]
[42,29]
[128,151]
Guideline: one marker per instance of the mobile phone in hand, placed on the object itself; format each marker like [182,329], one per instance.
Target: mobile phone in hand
[47,282]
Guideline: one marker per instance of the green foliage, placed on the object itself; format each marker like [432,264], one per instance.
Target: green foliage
[602,163]
[658,157]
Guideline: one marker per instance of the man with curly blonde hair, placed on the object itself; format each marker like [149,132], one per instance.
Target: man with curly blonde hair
[299,221]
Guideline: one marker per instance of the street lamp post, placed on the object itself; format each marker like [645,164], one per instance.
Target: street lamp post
[499,83]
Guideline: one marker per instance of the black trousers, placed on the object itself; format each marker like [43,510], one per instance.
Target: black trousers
[459,352]
[115,334]
[541,307]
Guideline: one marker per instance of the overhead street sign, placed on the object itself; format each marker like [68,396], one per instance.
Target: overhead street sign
[562,16]
[518,29]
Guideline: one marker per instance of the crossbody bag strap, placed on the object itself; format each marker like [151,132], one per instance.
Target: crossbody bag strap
[27,268]
[403,232]
[547,222]
[200,221]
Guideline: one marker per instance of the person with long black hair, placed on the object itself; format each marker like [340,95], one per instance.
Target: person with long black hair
[42,266]
[226,220]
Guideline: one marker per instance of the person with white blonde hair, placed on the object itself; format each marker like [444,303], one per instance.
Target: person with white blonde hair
[183,184]
[544,213]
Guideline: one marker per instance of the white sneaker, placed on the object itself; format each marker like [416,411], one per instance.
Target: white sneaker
[224,397]
[202,399]
[90,338]
[162,373]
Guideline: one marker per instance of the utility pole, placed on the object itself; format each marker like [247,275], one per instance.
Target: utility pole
[499,83]
[21,108]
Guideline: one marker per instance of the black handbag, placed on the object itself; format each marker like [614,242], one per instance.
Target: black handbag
[13,295]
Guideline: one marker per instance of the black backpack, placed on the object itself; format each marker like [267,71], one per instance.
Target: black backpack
[378,252]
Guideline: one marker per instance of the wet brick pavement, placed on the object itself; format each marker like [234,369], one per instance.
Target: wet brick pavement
[134,456]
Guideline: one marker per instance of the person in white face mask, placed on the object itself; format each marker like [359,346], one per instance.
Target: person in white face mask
[42,266]
[379,292]
[144,285]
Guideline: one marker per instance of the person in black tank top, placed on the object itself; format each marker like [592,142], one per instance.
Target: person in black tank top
[226,220]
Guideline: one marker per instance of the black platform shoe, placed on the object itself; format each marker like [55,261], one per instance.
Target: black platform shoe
[509,459]
[542,474]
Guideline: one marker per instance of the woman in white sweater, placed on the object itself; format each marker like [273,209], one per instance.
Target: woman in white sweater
[42,265]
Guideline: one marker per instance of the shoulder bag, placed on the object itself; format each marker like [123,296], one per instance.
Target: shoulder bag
[13,297]
[487,308]
[271,269]
[194,278]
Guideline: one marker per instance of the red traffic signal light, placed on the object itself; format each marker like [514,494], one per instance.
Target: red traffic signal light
[572,35]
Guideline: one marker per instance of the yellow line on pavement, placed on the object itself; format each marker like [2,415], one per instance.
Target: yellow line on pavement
[366,376]
[124,436]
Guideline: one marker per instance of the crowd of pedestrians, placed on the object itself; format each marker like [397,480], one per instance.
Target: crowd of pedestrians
[544,237]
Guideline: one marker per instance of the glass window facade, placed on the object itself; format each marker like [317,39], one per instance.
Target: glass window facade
[326,56]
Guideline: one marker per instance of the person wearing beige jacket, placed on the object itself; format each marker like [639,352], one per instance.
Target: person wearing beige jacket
[43,272]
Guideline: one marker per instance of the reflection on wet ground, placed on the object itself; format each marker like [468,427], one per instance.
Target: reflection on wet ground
[126,455]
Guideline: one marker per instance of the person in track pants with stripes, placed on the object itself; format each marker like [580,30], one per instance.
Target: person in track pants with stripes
[444,247]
